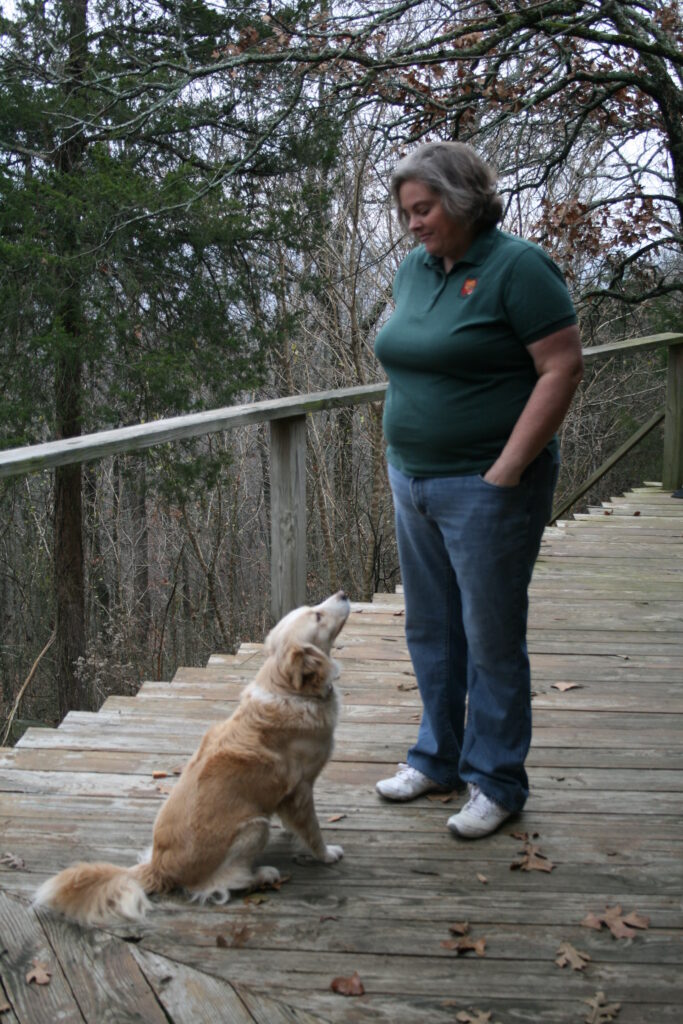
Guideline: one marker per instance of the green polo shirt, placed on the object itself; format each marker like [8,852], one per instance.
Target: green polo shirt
[454,351]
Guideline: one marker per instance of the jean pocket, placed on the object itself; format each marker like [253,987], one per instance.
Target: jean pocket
[498,487]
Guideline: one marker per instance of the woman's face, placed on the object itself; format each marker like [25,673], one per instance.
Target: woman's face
[439,233]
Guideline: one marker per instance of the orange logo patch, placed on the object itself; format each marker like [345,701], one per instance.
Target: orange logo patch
[469,286]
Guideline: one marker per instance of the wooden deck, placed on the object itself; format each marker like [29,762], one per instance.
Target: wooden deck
[606,768]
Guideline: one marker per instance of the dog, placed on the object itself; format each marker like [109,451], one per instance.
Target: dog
[261,761]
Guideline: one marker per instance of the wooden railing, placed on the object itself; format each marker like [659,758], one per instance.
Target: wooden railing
[287,418]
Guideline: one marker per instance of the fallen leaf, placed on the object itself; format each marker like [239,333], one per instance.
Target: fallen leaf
[562,687]
[636,513]
[531,859]
[459,928]
[221,942]
[483,879]
[352,986]
[240,935]
[440,798]
[637,920]
[465,945]
[601,1011]
[336,817]
[468,1017]
[11,860]
[256,898]
[40,974]
[407,686]
[567,956]
[620,927]
[159,775]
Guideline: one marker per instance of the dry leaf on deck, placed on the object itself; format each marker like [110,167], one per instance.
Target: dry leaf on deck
[566,686]
[474,1017]
[600,1010]
[336,817]
[352,986]
[159,775]
[459,928]
[240,934]
[407,686]
[40,974]
[567,956]
[256,898]
[441,798]
[483,879]
[221,942]
[620,927]
[466,945]
[10,860]
[531,859]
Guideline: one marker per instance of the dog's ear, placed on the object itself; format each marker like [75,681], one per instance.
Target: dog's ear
[306,667]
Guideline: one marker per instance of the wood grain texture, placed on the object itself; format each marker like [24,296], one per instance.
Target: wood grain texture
[606,807]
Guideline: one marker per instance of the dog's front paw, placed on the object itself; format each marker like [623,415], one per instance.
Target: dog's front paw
[333,854]
[267,876]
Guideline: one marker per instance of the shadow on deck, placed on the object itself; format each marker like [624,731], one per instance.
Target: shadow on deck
[606,770]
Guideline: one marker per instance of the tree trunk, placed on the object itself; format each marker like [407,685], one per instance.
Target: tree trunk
[72,693]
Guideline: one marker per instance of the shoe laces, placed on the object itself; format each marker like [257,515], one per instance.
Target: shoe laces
[479,802]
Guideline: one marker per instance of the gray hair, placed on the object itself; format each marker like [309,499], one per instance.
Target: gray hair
[465,184]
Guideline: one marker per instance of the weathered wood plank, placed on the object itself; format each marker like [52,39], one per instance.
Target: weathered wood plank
[188,994]
[103,973]
[606,773]
[288,514]
[23,943]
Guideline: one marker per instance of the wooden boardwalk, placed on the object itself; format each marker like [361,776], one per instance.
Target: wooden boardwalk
[606,770]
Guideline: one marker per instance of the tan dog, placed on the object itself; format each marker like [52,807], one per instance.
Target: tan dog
[261,761]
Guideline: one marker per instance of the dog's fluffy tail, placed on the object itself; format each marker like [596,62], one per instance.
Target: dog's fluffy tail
[100,894]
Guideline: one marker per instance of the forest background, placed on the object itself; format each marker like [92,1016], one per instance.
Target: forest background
[194,212]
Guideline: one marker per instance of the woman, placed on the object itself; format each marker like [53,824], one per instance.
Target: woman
[482,354]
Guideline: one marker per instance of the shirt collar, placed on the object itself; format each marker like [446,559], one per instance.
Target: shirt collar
[475,255]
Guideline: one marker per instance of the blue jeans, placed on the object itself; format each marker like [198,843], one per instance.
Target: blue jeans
[467,550]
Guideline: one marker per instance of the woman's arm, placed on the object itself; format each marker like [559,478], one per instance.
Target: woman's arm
[559,365]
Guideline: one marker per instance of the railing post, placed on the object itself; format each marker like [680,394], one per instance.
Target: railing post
[287,514]
[672,466]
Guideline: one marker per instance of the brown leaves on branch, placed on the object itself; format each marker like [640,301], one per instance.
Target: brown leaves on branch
[621,927]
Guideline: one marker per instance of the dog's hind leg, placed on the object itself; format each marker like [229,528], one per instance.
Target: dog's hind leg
[236,871]
[297,812]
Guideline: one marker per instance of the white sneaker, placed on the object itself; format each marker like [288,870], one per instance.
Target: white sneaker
[407,784]
[479,817]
